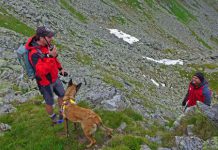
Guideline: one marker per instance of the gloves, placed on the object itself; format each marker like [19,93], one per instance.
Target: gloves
[65,74]
[184,102]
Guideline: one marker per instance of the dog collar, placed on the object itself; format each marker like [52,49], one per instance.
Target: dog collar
[72,101]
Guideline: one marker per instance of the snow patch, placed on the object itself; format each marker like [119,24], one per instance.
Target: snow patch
[165,61]
[157,84]
[126,37]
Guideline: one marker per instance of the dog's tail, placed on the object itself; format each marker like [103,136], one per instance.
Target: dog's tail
[106,129]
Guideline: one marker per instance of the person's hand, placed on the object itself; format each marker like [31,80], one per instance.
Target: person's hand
[53,52]
[63,73]
[184,102]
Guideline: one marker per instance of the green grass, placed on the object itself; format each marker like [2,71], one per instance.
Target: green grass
[114,119]
[150,2]
[202,67]
[169,51]
[176,8]
[66,4]
[118,20]
[98,42]
[108,78]
[130,80]
[169,36]
[213,81]
[4,85]
[135,4]
[127,142]
[203,128]
[214,39]
[200,40]
[31,129]
[85,59]
[10,22]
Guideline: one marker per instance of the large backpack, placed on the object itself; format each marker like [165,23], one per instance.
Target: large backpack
[23,58]
[22,54]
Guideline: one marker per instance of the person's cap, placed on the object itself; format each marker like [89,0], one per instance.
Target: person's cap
[43,31]
[200,76]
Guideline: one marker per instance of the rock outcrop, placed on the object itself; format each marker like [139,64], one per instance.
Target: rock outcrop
[209,112]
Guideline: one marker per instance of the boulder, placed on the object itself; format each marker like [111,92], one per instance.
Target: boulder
[211,144]
[189,143]
[210,112]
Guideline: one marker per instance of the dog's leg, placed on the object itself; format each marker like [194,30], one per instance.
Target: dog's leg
[75,126]
[91,139]
[66,127]
[88,133]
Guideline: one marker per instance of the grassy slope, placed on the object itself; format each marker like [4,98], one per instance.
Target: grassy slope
[31,129]
[73,11]
[10,22]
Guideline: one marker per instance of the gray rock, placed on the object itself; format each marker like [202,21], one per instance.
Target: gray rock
[210,112]
[116,103]
[177,122]
[7,108]
[4,127]
[189,142]
[189,130]
[156,139]
[211,144]
[121,127]
[144,147]
[136,104]
[161,148]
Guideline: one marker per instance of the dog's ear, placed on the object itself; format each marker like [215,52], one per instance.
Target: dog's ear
[78,87]
[70,83]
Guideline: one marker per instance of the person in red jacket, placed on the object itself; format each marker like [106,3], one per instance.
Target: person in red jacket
[198,91]
[43,58]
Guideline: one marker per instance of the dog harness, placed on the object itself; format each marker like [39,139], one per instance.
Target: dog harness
[72,101]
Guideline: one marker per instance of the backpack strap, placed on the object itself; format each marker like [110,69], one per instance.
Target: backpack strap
[39,52]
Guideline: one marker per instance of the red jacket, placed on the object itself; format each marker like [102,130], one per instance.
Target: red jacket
[201,93]
[46,68]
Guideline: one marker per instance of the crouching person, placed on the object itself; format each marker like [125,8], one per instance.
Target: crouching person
[198,91]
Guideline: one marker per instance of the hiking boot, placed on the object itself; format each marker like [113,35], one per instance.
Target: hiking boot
[53,118]
[60,120]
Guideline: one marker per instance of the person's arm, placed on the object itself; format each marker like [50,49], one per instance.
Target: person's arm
[207,96]
[58,64]
[53,53]
[41,69]
[185,99]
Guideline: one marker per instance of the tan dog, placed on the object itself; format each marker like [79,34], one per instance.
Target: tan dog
[89,119]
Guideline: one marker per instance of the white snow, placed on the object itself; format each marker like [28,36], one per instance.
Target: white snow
[165,61]
[126,37]
[157,84]
[163,84]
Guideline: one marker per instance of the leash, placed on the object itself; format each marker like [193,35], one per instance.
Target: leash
[69,76]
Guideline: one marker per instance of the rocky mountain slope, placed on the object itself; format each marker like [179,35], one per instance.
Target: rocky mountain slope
[116,74]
